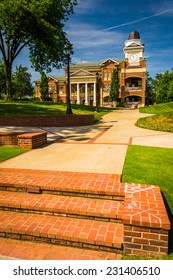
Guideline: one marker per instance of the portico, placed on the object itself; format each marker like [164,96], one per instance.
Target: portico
[83,87]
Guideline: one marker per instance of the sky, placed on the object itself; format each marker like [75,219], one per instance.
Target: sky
[99,28]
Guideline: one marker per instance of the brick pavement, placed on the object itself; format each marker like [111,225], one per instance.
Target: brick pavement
[25,250]
[99,209]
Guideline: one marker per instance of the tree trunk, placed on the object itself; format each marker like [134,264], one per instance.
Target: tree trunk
[8,81]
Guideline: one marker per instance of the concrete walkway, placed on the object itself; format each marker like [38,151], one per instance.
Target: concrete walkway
[100,148]
[97,149]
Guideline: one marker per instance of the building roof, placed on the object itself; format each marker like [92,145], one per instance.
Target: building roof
[60,78]
[134,35]
[56,78]
[85,65]
[88,65]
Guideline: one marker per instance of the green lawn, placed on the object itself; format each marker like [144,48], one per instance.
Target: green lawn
[150,165]
[11,108]
[158,108]
[7,152]
[162,119]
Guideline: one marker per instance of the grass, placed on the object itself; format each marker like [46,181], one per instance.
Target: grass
[161,121]
[7,152]
[10,108]
[158,108]
[141,166]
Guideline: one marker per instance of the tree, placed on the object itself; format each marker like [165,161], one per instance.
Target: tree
[22,83]
[170,89]
[114,87]
[44,88]
[37,24]
[150,91]
[163,87]
[2,79]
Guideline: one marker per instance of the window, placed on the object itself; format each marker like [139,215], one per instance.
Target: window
[105,75]
[109,76]
[60,90]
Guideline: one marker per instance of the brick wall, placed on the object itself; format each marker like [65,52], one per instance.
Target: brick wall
[145,241]
[23,140]
[47,121]
[32,140]
[145,219]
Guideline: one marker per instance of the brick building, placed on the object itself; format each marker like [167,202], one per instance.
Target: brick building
[90,82]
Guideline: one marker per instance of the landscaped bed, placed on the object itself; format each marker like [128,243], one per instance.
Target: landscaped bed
[162,119]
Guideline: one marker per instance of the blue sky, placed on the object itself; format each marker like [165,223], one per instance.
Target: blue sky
[99,28]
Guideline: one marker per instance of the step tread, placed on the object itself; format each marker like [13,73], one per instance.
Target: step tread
[93,183]
[62,204]
[18,249]
[97,233]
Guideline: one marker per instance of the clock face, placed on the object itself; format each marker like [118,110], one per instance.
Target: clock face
[133,57]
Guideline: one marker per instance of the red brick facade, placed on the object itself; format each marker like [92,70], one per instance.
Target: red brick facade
[90,82]
[47,121]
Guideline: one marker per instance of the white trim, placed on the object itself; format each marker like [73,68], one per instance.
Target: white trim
[78,94]
[83,77]
[52,77]
[94,92]
[108,60]
[86,92]
[83,71]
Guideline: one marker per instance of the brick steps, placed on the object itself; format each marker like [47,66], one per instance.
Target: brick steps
[87,234]
[96,185]
[82,215]
[106,186]
[25,250]
[79,207]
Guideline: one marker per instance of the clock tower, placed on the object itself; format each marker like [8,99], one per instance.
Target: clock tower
[133,72]
[133,49]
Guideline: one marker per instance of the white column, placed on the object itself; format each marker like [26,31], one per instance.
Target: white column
[78,94]
[94,101]
[86,94]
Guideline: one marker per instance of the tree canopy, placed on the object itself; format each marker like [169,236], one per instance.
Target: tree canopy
[164,91]
[160,88]
[21,83]
[37,24]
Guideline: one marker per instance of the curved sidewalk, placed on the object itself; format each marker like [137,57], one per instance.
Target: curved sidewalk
[97,153]
[98,149]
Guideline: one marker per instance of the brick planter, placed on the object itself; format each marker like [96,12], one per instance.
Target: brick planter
[146,223]
[47,121]
[26,140]
[9,138]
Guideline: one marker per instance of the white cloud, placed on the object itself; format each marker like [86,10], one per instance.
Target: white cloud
[87,36]
[141,19]
[87,6]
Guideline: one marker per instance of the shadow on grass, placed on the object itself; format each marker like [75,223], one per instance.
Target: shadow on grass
[170,215]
